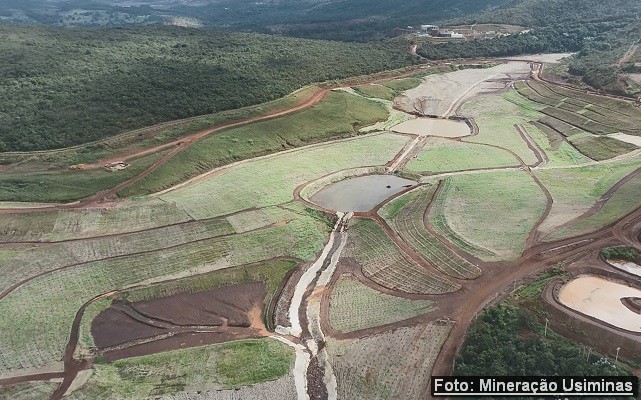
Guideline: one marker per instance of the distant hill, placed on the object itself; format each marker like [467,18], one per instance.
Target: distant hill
[347,20]
[537,13]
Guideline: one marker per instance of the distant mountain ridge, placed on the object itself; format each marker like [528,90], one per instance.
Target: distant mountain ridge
[348,20]
[552,12]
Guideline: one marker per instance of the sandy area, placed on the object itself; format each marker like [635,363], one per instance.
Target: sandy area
[635,77]
[635,140]
[626,266]
[544,58]
[433,127]
[601,299]
[560,214]
[441,94]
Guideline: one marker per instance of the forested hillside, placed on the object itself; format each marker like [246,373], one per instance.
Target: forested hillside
[349,20]
[63,87]
[552,12]
[601,32]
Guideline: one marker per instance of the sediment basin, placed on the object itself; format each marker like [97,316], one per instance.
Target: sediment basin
[601,299]
[361,193]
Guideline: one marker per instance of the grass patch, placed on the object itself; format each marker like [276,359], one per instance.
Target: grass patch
[409,224]
[270,272]
[391,209]
[376,91]
[355,306]
[340,114]
[472,205]
[534,289]
[85,338]
[395,364]
[252,361]
[441,155]
[219,366]
[67,185]
[28,391]
[271,181]
[386,264]
[623,201]
[594,114]
[85,223]
[496,117]
[401,85]
[575,190]
[601,148]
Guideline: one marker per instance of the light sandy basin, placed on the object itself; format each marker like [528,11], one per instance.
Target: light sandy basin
[601,299]
[626,266]
[433,127]
[544,58]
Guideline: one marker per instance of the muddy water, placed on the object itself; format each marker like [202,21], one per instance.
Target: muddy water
[434,127]
[601,299]
[361,193]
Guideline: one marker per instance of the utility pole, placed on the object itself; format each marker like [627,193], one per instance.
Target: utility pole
[546,328]
[616,358]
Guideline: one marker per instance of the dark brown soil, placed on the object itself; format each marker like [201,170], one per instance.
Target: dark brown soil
[315,385]
[213,311]
[632,303]
[214,307]
[113,327]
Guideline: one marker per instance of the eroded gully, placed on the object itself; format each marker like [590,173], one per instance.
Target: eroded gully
[306,303]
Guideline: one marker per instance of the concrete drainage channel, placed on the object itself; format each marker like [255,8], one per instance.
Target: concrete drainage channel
[313,350]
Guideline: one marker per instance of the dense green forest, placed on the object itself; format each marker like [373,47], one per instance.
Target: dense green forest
[554,12]
[63,86]
[506,342]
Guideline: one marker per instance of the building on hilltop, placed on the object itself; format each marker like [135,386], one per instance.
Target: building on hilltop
[431,30]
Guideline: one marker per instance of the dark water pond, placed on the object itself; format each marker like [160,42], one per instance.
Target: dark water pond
[361,193]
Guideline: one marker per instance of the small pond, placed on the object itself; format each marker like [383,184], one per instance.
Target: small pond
[434,127]
[361,193]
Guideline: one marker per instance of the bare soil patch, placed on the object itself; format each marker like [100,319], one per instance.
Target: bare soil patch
[215,312]
[442,94]
[632,303]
